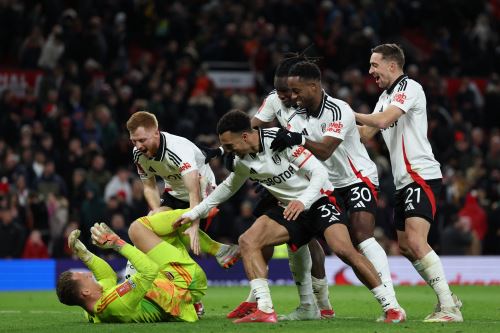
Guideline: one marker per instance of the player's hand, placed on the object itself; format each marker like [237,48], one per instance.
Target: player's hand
[105,238]
[194,237]
[211,153]
[186,218]
[292,211]
[285,139]
[78,248]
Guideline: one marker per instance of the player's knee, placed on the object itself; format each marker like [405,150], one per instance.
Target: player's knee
[246,243]
[133,230]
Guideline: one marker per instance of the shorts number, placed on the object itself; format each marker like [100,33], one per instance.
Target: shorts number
[409,193]
[364,194]
[330,211]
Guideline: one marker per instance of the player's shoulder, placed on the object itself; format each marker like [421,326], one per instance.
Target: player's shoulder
[407,84]
[335,108]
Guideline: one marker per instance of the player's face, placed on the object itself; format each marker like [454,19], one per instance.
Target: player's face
[381,69]
[236,143]
[146,140]
[87,282]
[303,92]
[284,93]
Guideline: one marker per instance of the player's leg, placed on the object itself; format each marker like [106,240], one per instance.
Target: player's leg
[319,280]
[262,233]
[415,210]
[329,218]
[300,265]
[249,305]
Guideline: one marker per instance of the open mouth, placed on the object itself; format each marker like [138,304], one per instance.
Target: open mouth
[377,79]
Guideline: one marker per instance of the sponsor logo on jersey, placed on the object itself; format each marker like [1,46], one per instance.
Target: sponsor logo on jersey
[276,159]
[298,151]
[335,127]
[400,97]
[168,275]
[304,132]
[185,166]
[277,179]
[252,171]
[125,287]
[409,207]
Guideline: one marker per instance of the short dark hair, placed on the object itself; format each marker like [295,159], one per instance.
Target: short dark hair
[285,65]
[68,289]
[306,70]
[391,52]
[235,121]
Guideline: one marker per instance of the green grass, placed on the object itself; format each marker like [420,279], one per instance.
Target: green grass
[356,311]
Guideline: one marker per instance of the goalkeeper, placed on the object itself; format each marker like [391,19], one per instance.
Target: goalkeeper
[167,283]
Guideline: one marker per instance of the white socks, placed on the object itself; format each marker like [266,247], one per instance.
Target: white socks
[300,265]
[385,298]
[320,289]
[251,297]
[372,250]
[260,288]
[431,270]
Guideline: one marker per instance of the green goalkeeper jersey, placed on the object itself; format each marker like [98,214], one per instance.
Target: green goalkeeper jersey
[147,296]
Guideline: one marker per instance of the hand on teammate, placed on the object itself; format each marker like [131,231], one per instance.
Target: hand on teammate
[285,139]
[77,246]
[194,237]
[292,211]
[105,238]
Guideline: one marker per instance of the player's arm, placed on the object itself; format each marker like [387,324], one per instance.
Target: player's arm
[256,122]
[382,119]
[324,149]
[304,159]
[367,132]
[222,192]
[151,192]
[192,183]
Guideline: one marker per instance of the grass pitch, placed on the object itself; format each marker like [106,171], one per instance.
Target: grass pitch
[356,312]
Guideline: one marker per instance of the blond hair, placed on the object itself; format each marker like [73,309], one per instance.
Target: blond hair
[142,118]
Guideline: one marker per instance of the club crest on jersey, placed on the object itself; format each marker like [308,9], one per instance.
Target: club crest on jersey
[323,127]
[168,275]
[335,127]
[400,97]
[276,159]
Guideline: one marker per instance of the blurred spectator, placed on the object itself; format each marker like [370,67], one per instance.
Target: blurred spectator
[119,185]
[11,235]
[457,238]
[476,214]
[52,49]
[35,248]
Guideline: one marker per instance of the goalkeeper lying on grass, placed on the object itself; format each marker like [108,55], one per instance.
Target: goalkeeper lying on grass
[165,288]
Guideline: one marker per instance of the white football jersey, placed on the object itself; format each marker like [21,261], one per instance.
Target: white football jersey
[175,157]
[293,174]
[411,153]
[350,162]
[272,108]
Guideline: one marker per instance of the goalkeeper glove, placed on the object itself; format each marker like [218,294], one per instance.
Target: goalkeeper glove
[285,139]
[77,246]
[105,238]
[211,153]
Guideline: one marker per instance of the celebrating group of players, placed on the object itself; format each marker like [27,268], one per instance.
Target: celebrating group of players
[320,182]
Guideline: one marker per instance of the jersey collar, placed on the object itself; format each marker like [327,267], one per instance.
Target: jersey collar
[161,149]
[319,111]
[399,79]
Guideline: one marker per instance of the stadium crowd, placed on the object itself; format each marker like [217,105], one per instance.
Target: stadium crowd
[66,158]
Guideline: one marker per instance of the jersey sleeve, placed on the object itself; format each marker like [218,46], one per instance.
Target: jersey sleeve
[340,122]
[147,269]
[304,159]
[407,97]
[267,112]
[223,191]
[183,158]
[103,273]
